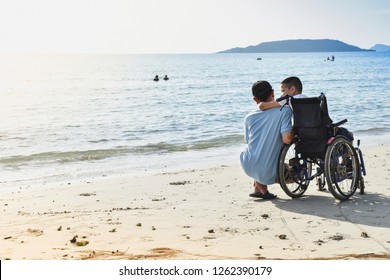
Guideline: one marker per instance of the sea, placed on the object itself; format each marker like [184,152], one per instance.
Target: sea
[75,116]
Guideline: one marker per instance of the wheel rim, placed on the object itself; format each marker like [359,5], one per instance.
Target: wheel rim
[342,171]
[297,170]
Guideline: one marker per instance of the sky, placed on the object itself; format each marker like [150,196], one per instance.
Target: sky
[184,26]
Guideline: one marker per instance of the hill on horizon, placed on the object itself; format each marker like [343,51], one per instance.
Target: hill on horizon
[299,45]
[381,48]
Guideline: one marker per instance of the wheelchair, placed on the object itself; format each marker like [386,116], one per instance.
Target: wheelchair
[319,151]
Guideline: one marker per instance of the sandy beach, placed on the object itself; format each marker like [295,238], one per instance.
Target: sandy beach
[194,214]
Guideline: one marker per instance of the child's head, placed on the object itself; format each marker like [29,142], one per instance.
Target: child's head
[291,86]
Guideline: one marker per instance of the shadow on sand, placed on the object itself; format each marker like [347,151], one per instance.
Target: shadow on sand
[371,209]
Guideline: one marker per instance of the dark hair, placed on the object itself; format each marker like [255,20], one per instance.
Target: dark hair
[262,90]
[293,81]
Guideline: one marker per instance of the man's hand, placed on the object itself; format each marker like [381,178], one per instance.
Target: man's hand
[288,137]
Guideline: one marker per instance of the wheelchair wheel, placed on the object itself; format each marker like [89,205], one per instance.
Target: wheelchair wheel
[293,172]
[342,168]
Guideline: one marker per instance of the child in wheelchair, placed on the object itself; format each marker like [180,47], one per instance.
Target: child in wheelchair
[292,86]
[319,142]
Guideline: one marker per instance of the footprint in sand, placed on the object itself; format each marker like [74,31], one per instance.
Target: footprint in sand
[35,232]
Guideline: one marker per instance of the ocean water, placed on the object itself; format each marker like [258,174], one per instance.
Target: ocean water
[69,116]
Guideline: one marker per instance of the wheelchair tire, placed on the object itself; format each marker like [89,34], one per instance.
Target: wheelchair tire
[342,168]
[296,186]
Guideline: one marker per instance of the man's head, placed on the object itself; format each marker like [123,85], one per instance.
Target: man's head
[291,86]
[262,91]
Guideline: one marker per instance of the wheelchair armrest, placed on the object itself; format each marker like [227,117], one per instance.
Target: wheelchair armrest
[337,124]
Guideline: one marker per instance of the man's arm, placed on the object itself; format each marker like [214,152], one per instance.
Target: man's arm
[288,137]
[287,128]
[268,105]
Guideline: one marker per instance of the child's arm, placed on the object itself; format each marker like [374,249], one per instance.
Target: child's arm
[268,105]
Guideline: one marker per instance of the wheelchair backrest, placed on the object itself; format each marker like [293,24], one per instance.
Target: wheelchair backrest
[311,119]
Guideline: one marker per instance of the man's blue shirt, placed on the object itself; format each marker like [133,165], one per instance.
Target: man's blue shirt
[263,135]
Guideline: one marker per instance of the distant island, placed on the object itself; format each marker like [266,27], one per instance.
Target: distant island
[301,45]
[381,48]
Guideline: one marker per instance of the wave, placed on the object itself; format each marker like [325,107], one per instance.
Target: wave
[101,154]
[216,142]
[63,157]
[373,130]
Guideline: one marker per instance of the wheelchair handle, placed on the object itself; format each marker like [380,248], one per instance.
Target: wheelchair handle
[338,123]
[283,98]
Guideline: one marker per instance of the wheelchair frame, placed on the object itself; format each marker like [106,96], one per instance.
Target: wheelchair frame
[341,167]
